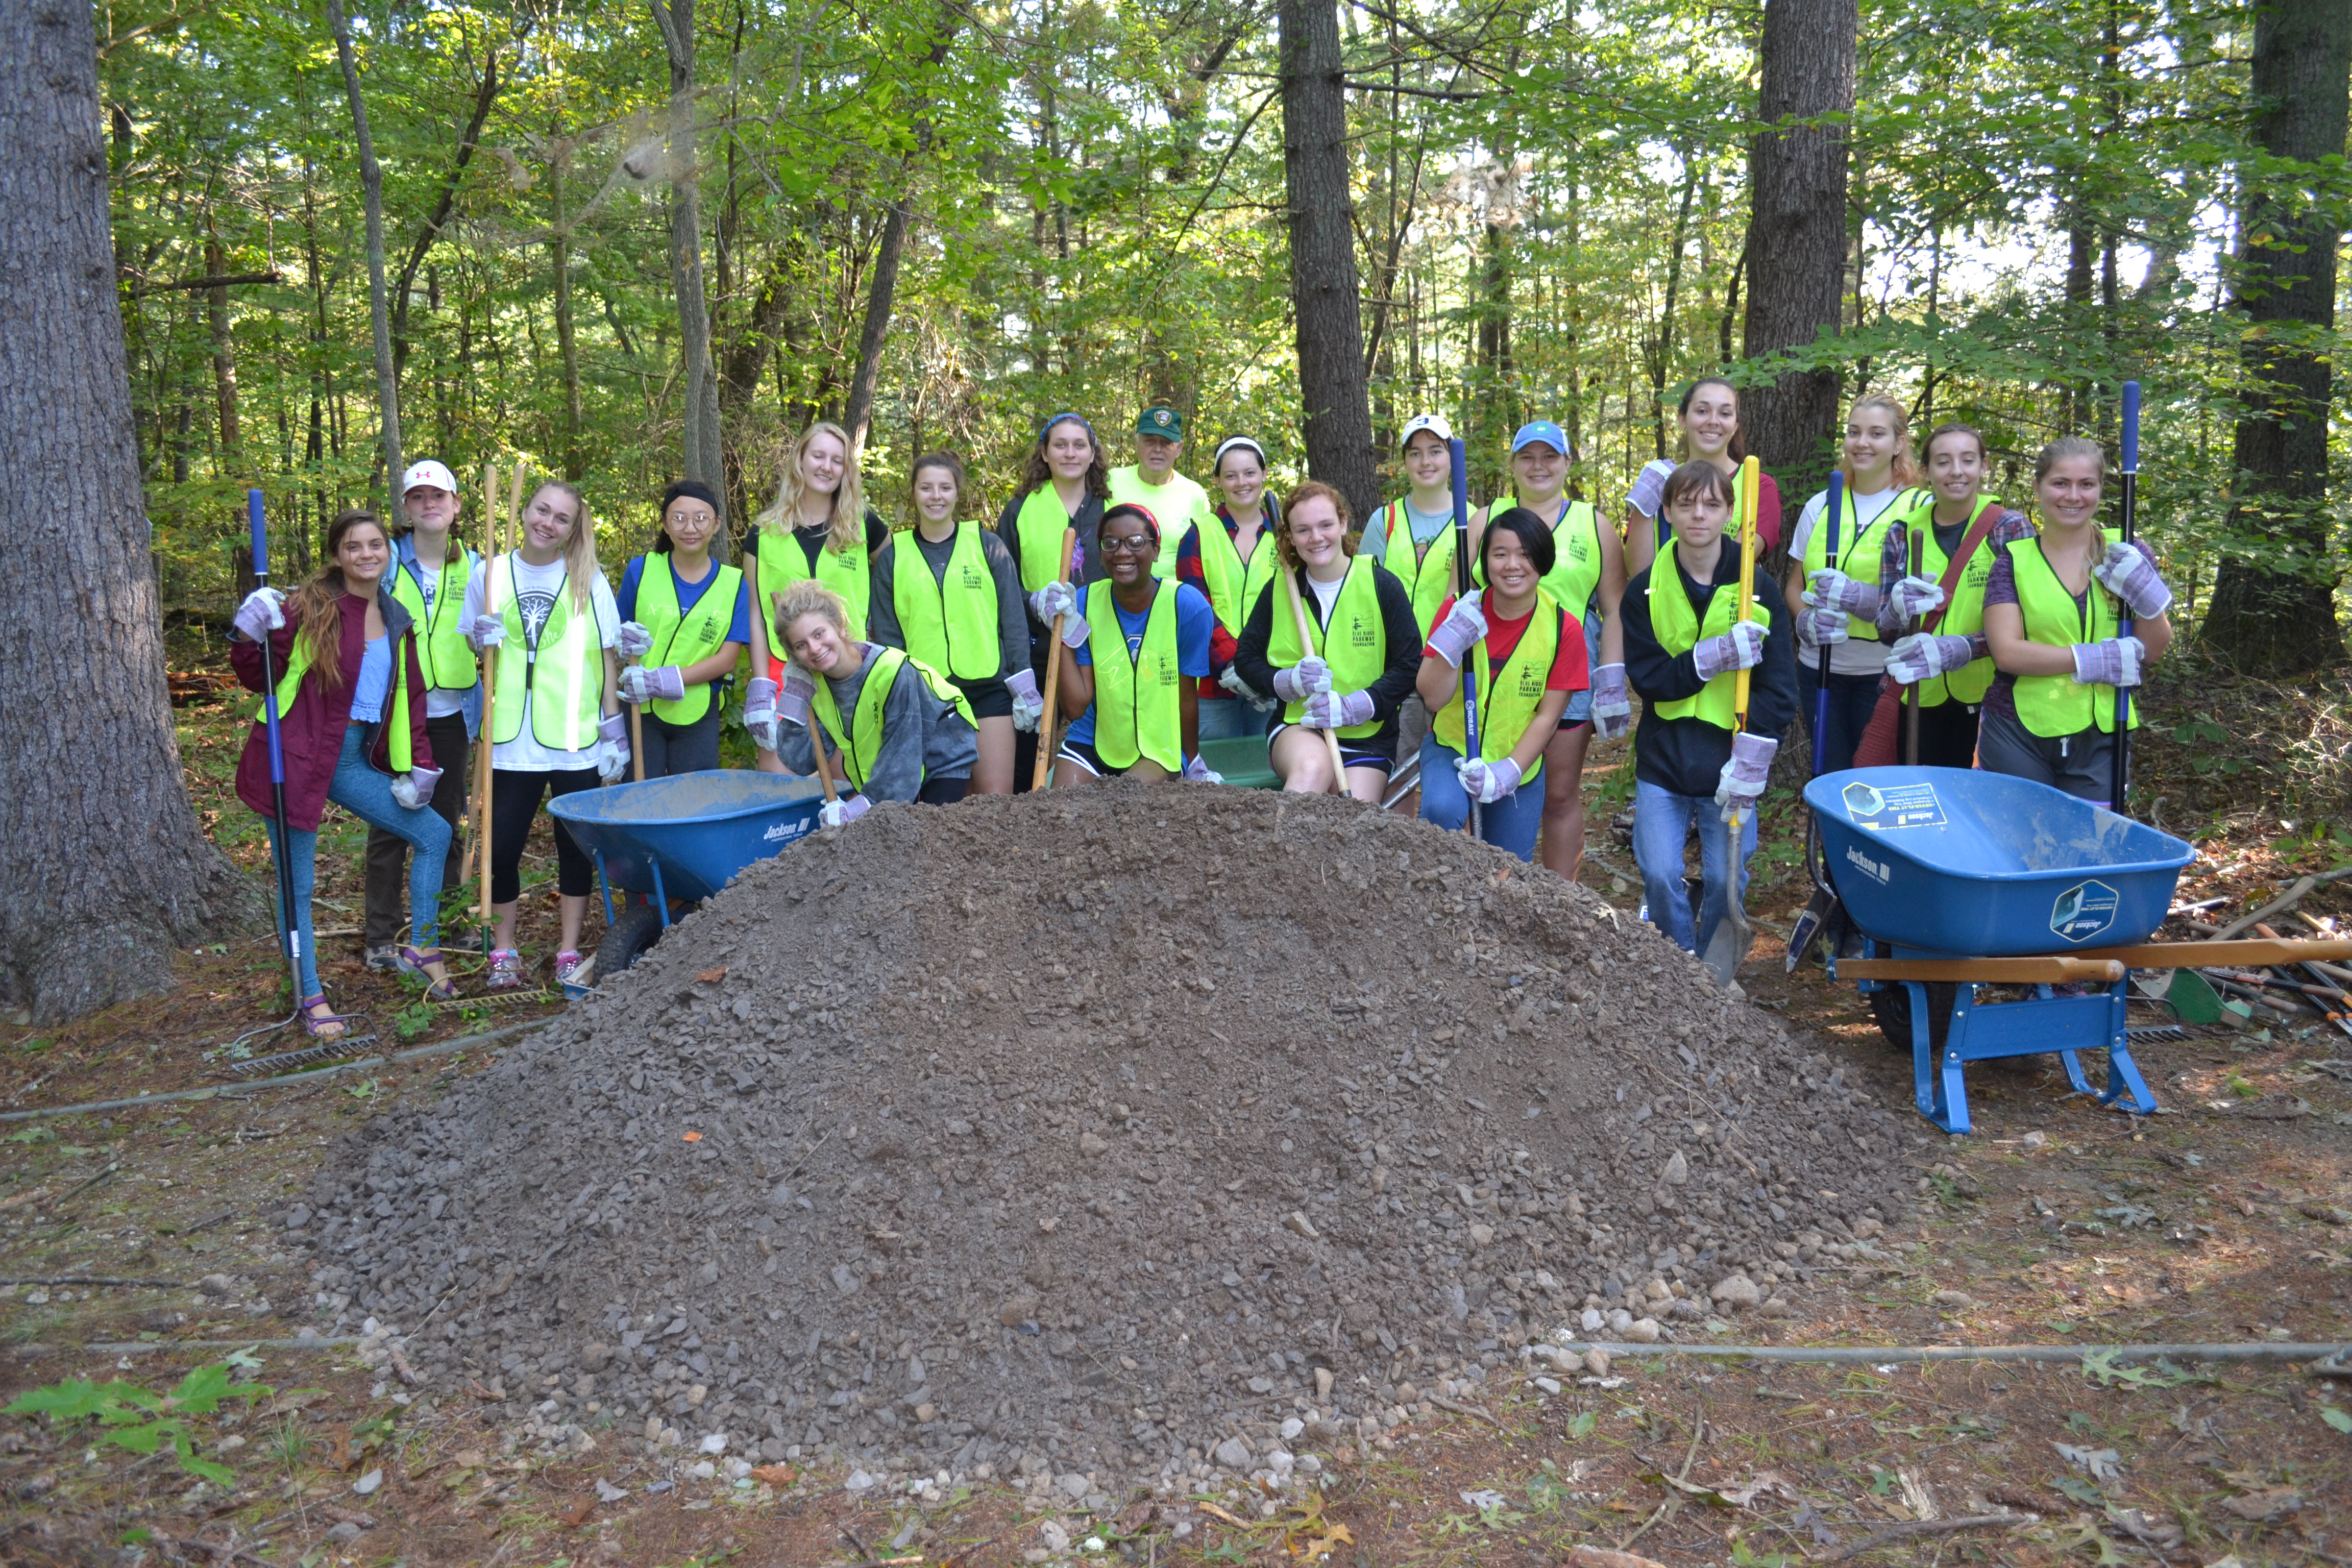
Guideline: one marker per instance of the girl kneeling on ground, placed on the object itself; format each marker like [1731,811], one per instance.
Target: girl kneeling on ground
[2050,615]
[688,619]
[350,706]
[948,593]
[895,728]
[1684,649]
[1529,659]
[1136,711]
[556,725]
[1364,652]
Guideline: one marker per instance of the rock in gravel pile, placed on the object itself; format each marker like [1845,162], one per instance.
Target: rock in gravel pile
[1132,1132]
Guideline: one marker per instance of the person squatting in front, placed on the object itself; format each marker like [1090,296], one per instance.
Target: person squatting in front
[1527,656]
[895,729]
[1135,712]
[1358,663]
[684,621]
[2052,607]
[948,592]
[1685,647]
[352,729]
[555,724]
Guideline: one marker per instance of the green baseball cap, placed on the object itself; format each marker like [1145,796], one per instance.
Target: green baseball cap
[1161,420]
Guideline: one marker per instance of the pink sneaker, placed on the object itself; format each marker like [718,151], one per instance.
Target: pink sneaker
[505,969]
[567,964]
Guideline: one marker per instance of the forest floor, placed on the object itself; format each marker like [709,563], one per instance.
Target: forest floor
[139,1245]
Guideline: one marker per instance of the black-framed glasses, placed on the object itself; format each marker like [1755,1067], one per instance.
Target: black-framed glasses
[1137,546]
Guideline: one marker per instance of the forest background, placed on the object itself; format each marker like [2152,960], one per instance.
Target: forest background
[942,221]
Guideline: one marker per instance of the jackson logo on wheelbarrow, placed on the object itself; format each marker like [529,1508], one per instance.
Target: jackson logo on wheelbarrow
[2083,911]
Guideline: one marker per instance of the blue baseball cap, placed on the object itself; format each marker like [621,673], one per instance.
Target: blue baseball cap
[1546,432]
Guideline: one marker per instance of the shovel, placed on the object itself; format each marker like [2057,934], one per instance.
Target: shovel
[1729,942]
[1821,909]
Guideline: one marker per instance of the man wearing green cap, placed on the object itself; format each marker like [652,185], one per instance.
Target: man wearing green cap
[1154,484]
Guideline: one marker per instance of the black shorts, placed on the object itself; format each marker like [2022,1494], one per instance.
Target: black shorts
[988,698]
[1358,752]
[1083,753]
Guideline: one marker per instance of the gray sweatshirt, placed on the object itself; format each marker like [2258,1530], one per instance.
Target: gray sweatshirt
[922,737]
[1012,608]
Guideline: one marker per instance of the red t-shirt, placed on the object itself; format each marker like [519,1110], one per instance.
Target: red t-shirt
[1568,667]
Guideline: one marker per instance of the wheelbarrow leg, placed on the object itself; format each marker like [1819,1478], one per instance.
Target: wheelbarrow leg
[2123,1073]
[661,898]
[1951,1109]
[2069,1056]
[1924,1092]
[603,886]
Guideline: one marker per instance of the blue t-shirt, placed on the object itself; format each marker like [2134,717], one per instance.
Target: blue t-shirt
[738,629]
[1195,623]
[375,679]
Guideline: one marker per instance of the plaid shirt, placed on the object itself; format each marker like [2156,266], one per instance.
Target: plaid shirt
[1895,564]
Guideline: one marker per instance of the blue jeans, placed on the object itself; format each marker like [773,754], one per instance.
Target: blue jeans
[1661,822]
[366,794]
[1231,717]
[1852,700]
[1510,822]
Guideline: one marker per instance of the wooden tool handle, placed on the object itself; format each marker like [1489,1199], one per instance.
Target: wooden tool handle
[1305,646]
[816,744]
[1045,768]
[2052,971]
[2244,953]
[490,685]
[637,732]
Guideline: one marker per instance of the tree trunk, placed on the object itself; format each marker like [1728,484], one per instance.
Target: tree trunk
[224,352]
[387,374]
[1323,283]
[468,140]
[567,337]
[2273,610]
[1662,347]
[702,458]
[106,870]
[1797,248]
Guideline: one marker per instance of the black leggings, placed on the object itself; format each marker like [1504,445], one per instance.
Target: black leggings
[672,749]
[514,801]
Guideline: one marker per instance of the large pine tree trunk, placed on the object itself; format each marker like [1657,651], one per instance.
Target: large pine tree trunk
[387,372]
[105,868]
[1323,284]
[1795,259]
[2273,612]
[702,457]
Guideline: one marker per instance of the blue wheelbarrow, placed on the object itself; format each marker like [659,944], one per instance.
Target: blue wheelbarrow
[1959,879]
[682,838]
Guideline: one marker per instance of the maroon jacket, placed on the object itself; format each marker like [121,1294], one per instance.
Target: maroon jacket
[311,734]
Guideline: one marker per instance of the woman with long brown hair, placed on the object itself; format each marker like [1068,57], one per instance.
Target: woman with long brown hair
[1065,484]
[351,704]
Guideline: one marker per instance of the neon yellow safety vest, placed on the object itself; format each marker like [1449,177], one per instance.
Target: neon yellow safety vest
[1038,529]
[1136,708]
[861,740]
[1575,574]
[1507,705]
[1355,643]
[1176,504]
[1427,579]
[783,562]
[402,749]
[2054,705]
[1859,548]
[1233,585]
[684,639]
[950,623]
[442,649]
[1964,617]
[561,677]
[1678,628]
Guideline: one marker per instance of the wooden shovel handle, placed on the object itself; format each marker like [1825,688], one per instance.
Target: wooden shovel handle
[816,744]
[1053,675]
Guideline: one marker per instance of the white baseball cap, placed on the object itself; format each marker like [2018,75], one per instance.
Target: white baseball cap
[1434,423]
[428,472]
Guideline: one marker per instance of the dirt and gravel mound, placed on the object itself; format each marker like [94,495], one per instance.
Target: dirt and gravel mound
[1133,1130]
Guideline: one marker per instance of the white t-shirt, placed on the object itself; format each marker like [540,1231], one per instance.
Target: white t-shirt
[1855,655]
[1326,596]
[535,589]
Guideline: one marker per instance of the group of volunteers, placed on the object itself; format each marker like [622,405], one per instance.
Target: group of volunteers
[917,664]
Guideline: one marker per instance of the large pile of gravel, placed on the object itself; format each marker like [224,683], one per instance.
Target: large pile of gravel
[1087,1131]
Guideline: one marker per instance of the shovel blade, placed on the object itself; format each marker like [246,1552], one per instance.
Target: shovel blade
[1727,944]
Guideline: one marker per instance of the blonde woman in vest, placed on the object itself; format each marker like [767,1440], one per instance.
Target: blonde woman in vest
[1135,647]
[1527,654]
[1951,667]
[1587,579]
[686,619]
[1684,647]
[352,730]
[1413,537]
[1065,484]
[948,592]
[820,528]
[1363,660]
[556,725]
[1840,595]
[2050,617]
[895,728]
[428,576]
[1231,565]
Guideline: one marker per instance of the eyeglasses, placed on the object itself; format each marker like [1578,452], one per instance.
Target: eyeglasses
[1137,546]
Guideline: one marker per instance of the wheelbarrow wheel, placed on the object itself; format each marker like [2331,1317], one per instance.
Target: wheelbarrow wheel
[1891,1005]
[626,940]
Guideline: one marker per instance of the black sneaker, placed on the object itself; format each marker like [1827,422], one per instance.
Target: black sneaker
[384,959]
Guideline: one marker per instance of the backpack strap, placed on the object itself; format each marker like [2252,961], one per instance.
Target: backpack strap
[1969,543]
